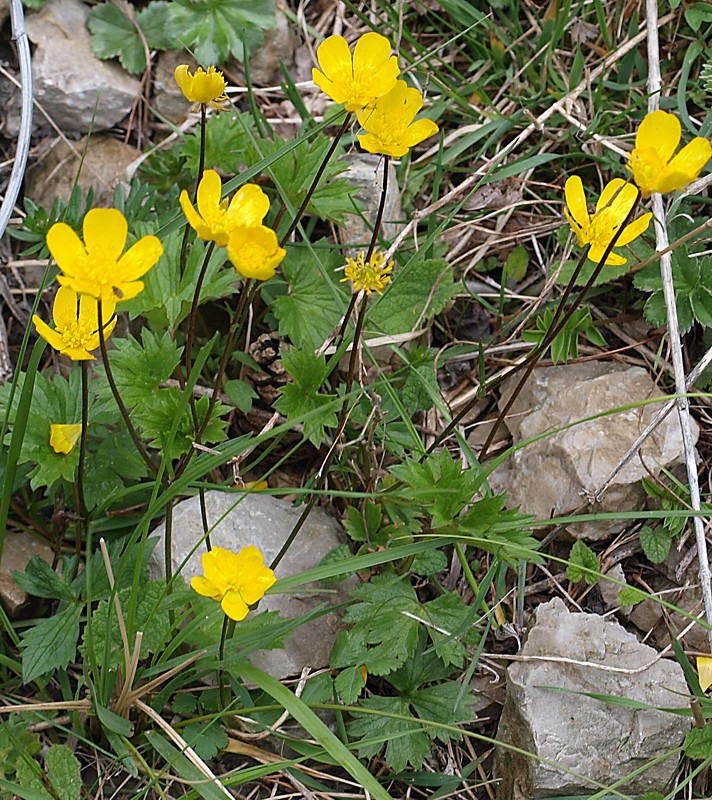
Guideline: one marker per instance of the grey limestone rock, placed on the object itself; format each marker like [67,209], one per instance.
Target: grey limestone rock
[365,173]
[256,519]
[17,551]
[78,91]
[549,477]
[598,741]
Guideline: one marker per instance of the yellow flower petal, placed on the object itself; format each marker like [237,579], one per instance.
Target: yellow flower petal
[334,56]
[62,438]
[202,87]
[614,260]
[138,259]
[686,165]
[704,670]
[64,310]
[194,219]
[660,131]
[203,587]
[419,131]
[105,231]
[619,196]
[356,81]
[65,246]
[634,230]
[234,606]
[248,207]
[209,194]
[576,201]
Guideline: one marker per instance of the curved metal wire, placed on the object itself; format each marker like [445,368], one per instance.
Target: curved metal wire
[19,34]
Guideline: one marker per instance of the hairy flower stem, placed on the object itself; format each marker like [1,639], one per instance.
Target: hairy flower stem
[316,180]
[228,629]
[83,521]
[194,310]
[203,131]
[379,214]
[117,396]
[561,316]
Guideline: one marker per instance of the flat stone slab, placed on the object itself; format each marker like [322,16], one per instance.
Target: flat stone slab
[586,737]
[240,520]
[551,476]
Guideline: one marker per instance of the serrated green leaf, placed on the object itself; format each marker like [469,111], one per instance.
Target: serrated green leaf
[429,563]
[168,293]
[40,580]
[64,772]
[301,401]
[349,684]
[630,596]
[655,543]
[583,564]
[316,301]
[214,30]
[698,743]
[407,741]
[50,643]
[207,740]
[151,618]
[418,292]
[445,703]
[115,36]
[241,394]
[139,368]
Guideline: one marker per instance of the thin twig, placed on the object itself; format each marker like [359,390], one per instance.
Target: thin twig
[683,406]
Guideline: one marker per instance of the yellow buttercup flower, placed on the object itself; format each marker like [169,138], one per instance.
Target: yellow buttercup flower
[216,218]
[97,267]
[76,330]
[203,87]
[62,438]
[369,276]
[599,228]
[255,252]
[356,81]
[237,580]
[389,126]
[654,166]
[704,671]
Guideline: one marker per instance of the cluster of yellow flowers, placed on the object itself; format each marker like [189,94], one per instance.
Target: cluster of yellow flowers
[655,170]
[367,84]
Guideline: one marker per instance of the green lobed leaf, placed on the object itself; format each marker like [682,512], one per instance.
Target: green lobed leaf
[168,293]
[316,301]
[214,30]
[698,743]
[349,684]
[407,743]
[418,291]
[207,740]
[655,542]
[583,564]
[40,580]
[51,643]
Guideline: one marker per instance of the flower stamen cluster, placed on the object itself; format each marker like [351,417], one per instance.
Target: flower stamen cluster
[368,276]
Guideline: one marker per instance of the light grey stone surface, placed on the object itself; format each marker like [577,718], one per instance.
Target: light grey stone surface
[266,522]
[600,741]
[76,89]
[365,173]
[278,45]
[549,477]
